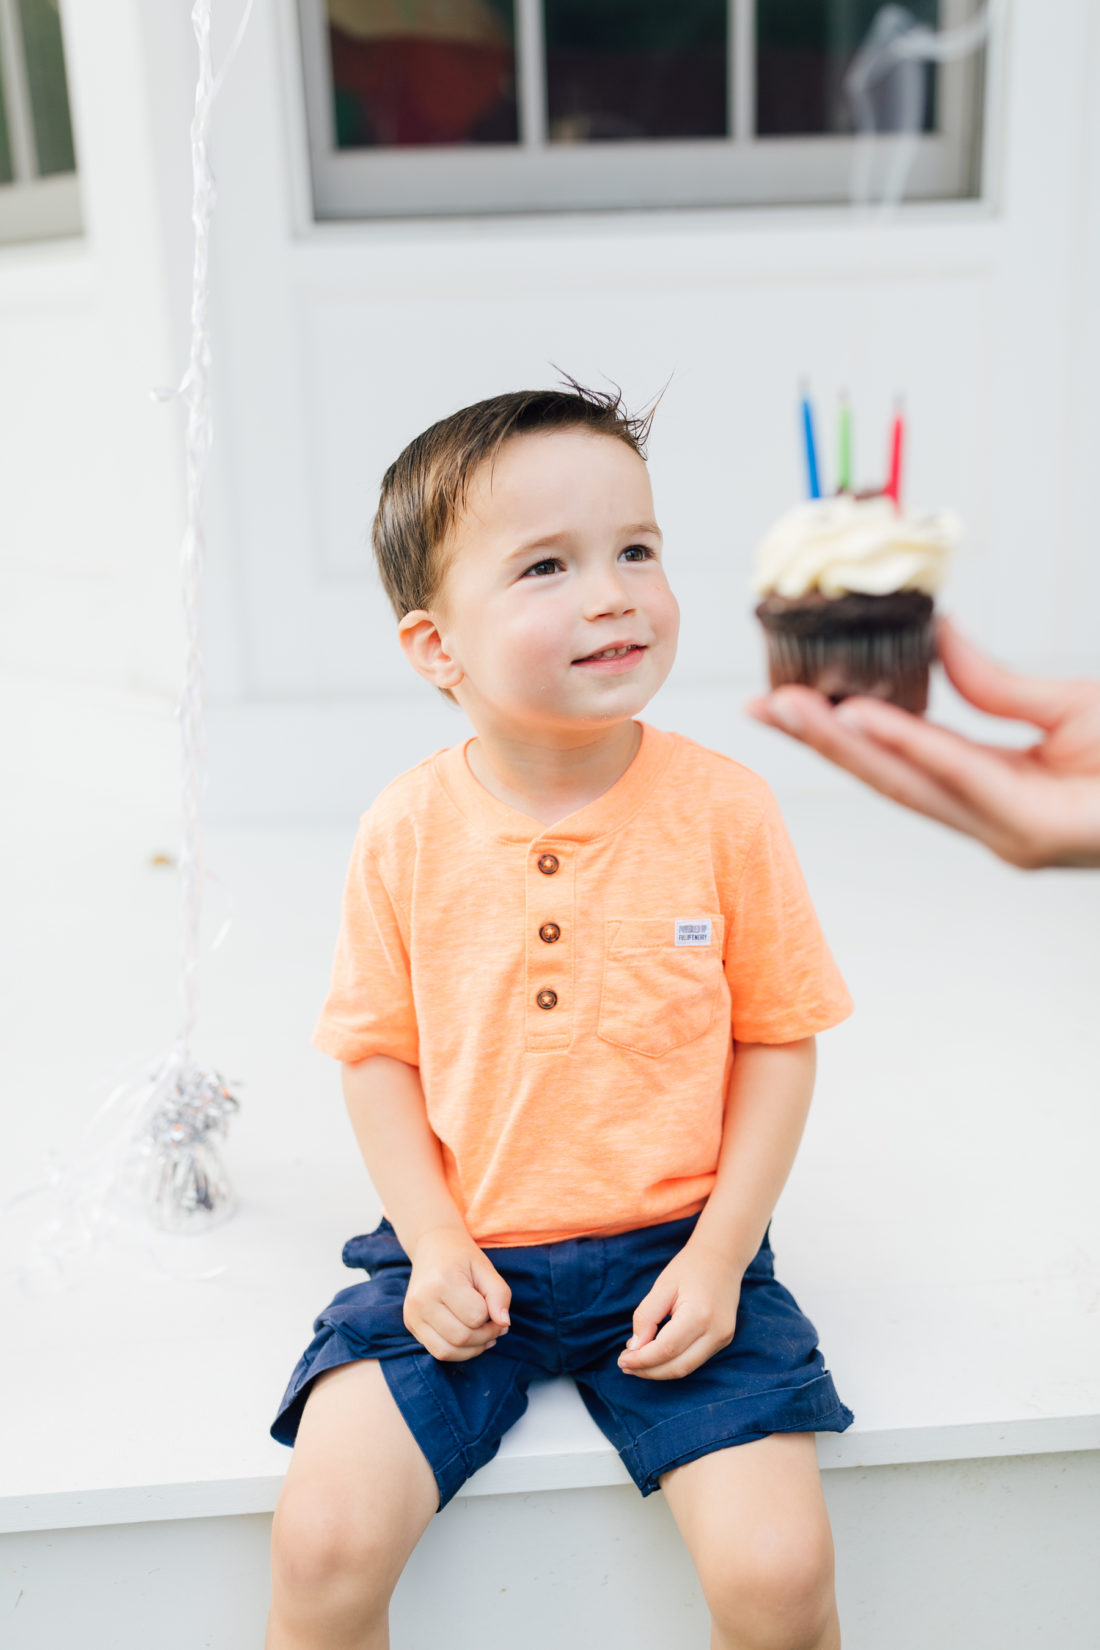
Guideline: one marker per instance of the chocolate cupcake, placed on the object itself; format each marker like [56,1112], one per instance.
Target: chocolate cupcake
[847,587]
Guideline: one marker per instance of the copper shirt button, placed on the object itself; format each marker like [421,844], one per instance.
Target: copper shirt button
[548,864]
[549,932]
[546,999]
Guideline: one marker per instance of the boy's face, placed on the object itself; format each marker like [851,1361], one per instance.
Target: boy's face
[554,563]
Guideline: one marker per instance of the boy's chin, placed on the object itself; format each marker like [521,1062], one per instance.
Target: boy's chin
[609,715]
[566,711]
[624,700]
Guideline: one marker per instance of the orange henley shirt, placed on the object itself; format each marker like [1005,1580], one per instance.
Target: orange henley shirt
[570,993]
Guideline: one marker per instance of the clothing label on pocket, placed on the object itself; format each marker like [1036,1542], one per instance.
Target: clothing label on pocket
[693,933]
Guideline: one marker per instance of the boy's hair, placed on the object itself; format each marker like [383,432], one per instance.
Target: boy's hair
[425,487]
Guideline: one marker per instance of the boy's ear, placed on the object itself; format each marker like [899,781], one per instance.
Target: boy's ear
[422,642]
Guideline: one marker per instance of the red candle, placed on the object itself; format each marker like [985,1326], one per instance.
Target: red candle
[893,486]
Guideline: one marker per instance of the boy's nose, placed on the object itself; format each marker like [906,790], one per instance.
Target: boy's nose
[608,598]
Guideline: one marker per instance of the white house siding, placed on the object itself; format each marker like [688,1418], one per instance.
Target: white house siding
[336,343]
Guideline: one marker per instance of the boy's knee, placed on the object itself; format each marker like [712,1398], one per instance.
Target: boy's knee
[323,1550]
[776,1593]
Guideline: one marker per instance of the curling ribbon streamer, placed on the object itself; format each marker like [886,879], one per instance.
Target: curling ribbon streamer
[173,1165]
[155,1128]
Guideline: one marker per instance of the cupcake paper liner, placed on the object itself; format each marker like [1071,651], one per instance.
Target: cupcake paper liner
[890,664]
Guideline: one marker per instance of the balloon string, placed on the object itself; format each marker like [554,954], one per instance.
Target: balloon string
[165,1112]
[196,393]
[194,390]
[233,50]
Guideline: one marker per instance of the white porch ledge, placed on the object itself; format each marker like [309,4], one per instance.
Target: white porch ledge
[552,1448]
[941,1227]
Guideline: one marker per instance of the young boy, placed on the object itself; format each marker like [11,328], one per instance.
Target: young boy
[575,996]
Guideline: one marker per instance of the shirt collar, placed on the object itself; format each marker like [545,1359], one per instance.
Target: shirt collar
[598,818]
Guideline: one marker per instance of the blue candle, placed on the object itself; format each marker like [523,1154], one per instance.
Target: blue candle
[811,451]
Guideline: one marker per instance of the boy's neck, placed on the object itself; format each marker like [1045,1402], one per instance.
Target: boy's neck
[550,782]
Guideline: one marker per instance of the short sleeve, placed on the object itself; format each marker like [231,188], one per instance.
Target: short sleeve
[369,1009]
[783,981]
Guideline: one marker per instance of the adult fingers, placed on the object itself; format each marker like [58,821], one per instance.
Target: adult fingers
[991,687]
[980,778]
[788,708]
[809,717]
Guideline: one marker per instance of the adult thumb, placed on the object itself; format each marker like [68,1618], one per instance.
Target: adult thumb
[1040,700]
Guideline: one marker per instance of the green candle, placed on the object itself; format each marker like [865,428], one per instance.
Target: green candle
[844,448]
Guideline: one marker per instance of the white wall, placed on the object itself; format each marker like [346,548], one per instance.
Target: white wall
[993,1555]
[335,344]
[90,496]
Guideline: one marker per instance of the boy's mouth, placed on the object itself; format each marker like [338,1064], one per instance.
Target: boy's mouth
[614,658]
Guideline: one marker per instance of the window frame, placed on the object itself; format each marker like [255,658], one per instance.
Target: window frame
[741,170]
[32,208]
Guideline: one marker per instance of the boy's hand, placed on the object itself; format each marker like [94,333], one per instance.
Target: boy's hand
[701,1289]
[456,1303]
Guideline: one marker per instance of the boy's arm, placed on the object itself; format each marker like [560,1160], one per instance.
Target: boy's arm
[456,1303]
[766,1109]
[386,1106]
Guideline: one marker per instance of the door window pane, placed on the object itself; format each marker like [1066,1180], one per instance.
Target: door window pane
[635,69]
[415,72]
[45,59]
[639,104]
[804,49]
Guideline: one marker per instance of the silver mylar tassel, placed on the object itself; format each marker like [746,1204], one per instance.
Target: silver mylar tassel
[174,1168]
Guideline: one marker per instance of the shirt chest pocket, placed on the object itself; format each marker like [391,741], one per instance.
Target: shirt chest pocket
[657,995]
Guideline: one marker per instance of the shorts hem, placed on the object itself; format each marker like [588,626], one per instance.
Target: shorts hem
[450,1474]
[415,1397]
[332,1352]
[812,1408]
[409,1389]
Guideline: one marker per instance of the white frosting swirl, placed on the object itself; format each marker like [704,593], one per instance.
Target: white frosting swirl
[844,544]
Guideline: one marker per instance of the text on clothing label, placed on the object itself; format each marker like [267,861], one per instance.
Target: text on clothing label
[693,933]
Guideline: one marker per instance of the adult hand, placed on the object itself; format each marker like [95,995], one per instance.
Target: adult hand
[456,1303]
[1036,806]
[700,1289]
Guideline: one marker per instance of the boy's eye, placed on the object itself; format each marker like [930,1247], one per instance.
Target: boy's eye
[551,564]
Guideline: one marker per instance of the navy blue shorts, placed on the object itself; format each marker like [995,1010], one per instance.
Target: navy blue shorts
[571,1314]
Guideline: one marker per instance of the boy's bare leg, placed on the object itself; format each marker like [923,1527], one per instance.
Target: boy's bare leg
[358,1495]
[754,1519]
